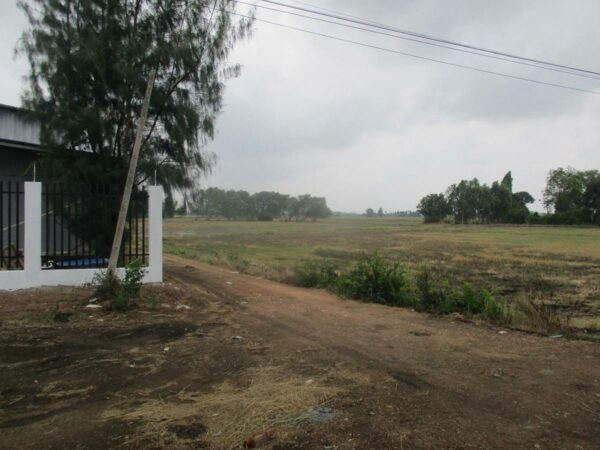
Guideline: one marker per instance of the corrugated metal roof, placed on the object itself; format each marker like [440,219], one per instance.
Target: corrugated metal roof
[16,130]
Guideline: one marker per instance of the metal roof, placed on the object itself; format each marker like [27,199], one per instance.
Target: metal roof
[16,130]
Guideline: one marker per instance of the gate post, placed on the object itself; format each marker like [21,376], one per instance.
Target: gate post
[155,234]
[32,248]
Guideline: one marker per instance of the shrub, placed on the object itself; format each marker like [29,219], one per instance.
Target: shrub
[132,283]
[445,299]
[376,280]
[122,294]
[106,285]
[317,274]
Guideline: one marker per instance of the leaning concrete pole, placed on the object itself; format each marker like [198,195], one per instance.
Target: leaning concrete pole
[116,246]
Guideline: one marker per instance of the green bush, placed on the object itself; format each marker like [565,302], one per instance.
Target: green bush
[317,274]
[106,285]
[122,294]
[132,283]
[446,300]
[376,280]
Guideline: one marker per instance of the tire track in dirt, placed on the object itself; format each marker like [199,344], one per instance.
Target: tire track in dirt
[451,362]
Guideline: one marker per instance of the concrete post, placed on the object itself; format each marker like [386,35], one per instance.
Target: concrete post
[33,230]
[155,234]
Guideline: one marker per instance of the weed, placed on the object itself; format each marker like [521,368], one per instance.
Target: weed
[106,285]
[539,316]
[122,294]
[377,280]
[317,275]
[444,299]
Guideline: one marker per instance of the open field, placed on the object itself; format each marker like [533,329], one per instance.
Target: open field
[214,356]
[556,265]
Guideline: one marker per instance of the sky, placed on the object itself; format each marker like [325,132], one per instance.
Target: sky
[367,128]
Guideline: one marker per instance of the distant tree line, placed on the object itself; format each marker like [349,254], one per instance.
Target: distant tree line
[370,212]
[570,197]
[241,205]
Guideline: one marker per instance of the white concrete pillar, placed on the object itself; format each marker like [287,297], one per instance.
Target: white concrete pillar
[155,234]
[32,251]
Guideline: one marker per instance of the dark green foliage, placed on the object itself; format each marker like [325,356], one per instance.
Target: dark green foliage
[315,274]
[434,207]
[370,212]
[444,299]
[374,279]
[106,285]
[377,280]
[169,206]
[134,273]
[472,202]
[263,206]
[573,196]
[89,64]
[121,294]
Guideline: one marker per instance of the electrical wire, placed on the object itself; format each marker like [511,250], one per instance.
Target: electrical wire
[424,58]
[431,38]
[500,58]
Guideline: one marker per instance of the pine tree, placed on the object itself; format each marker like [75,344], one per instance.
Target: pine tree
[89,63]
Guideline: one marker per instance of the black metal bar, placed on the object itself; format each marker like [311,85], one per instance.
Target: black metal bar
[137,229]
[129,237]
[95,202]
[47,223]
[18,223]
[2,256]
[69,212]
[144,205]
[54,230]
[9,253]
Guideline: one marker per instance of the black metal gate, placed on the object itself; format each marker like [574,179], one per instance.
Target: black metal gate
[11,225]
[78,225]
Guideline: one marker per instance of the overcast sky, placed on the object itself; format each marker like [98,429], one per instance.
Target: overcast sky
[366,128]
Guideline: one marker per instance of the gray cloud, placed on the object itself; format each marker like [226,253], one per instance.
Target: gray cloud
[368,128]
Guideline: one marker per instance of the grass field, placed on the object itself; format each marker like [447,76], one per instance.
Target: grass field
[556,265]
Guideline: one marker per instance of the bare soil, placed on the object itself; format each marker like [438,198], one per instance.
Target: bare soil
[214,356]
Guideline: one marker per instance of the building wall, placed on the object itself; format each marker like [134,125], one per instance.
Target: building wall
[15,127]
[15,163]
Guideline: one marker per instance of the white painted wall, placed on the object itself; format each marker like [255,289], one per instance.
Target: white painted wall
[34,276]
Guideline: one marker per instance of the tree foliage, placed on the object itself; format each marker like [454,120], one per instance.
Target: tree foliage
[469,201]
[264,206]
[434,207]
[89,63]
[573,196]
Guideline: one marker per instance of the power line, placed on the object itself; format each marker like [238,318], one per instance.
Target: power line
[430,38]
[462,66]
[568,72]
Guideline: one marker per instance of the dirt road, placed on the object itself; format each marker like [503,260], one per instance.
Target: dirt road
[261,354]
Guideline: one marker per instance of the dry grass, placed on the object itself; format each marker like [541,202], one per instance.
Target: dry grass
[536,315]
[559,264]
[268,399]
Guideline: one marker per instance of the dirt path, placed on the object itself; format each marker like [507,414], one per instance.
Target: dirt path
[214,356]
[473,383]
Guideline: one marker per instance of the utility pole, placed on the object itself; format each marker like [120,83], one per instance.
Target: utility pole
[116,246]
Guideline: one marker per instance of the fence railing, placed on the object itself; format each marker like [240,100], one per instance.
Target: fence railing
[75,242]
[11,225]
[78,226]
